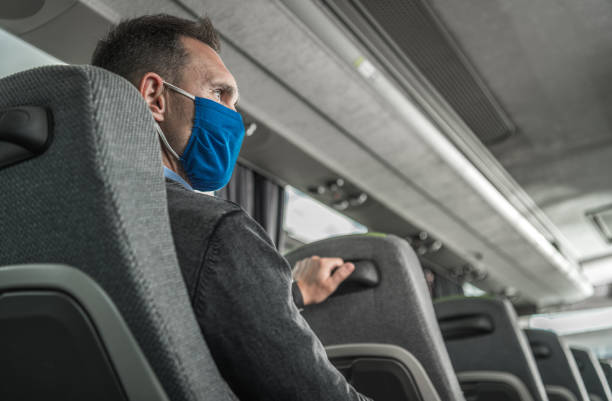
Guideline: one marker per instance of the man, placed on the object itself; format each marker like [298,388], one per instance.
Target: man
[240,286]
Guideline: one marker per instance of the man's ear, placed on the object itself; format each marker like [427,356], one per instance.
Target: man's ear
[151,88]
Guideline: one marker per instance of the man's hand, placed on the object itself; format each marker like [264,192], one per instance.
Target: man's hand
[317,278]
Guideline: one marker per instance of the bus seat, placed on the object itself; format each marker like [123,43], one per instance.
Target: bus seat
[607,370]
[592,374]
[385,302]
[488,350]
[556,366]
[83,211]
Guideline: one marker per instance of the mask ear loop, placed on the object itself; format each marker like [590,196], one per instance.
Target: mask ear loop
[165,141]
[158,128]
[179,90]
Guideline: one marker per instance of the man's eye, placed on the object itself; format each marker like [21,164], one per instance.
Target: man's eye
[217,93]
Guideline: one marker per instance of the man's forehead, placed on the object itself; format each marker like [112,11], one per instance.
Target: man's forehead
[205,60]
[198,48]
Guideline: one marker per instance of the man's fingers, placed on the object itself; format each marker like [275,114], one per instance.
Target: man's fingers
[329,264]
[342,273]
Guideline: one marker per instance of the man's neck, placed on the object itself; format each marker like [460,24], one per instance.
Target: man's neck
[173,164]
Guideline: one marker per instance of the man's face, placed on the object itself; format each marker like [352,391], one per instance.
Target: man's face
[204,75]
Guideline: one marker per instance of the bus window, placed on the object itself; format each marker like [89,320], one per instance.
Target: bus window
[23,55]
[470,290]
[307,220]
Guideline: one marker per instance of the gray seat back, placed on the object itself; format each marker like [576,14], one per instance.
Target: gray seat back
[607,370]
[555,362]
[592,374]
[96,200]
[482,334]
[386,301]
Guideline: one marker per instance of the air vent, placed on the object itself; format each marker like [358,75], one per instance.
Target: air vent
[413,33]
[602,220]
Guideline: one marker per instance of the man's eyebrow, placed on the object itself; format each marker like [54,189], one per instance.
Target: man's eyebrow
[229,88]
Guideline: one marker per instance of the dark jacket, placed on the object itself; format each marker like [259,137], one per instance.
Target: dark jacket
[240,289]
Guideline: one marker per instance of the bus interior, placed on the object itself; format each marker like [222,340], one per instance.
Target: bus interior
[466,141]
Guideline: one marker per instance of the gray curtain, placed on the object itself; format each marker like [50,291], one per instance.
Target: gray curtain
[261,198]
[445,287]
[441,286]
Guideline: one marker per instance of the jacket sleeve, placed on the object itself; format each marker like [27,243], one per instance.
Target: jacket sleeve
[245,307]
[298,300]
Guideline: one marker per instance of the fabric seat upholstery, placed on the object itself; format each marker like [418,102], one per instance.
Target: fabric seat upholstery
[397,311]
[482,334]
[555,362]
[592,374]
[96,200]
[607,370]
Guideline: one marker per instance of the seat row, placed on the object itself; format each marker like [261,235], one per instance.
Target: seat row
[469,347]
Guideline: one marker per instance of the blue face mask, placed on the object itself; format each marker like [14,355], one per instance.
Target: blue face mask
[212,150]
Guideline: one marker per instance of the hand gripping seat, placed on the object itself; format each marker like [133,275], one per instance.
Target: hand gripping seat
[557,366]
[92,302]
[381,311]
[592,375]
[488,350]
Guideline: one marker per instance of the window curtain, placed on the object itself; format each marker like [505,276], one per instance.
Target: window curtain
[444,287]
[441,286]
[261,198]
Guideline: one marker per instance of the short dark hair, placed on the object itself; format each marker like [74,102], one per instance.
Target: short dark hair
[151,43]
